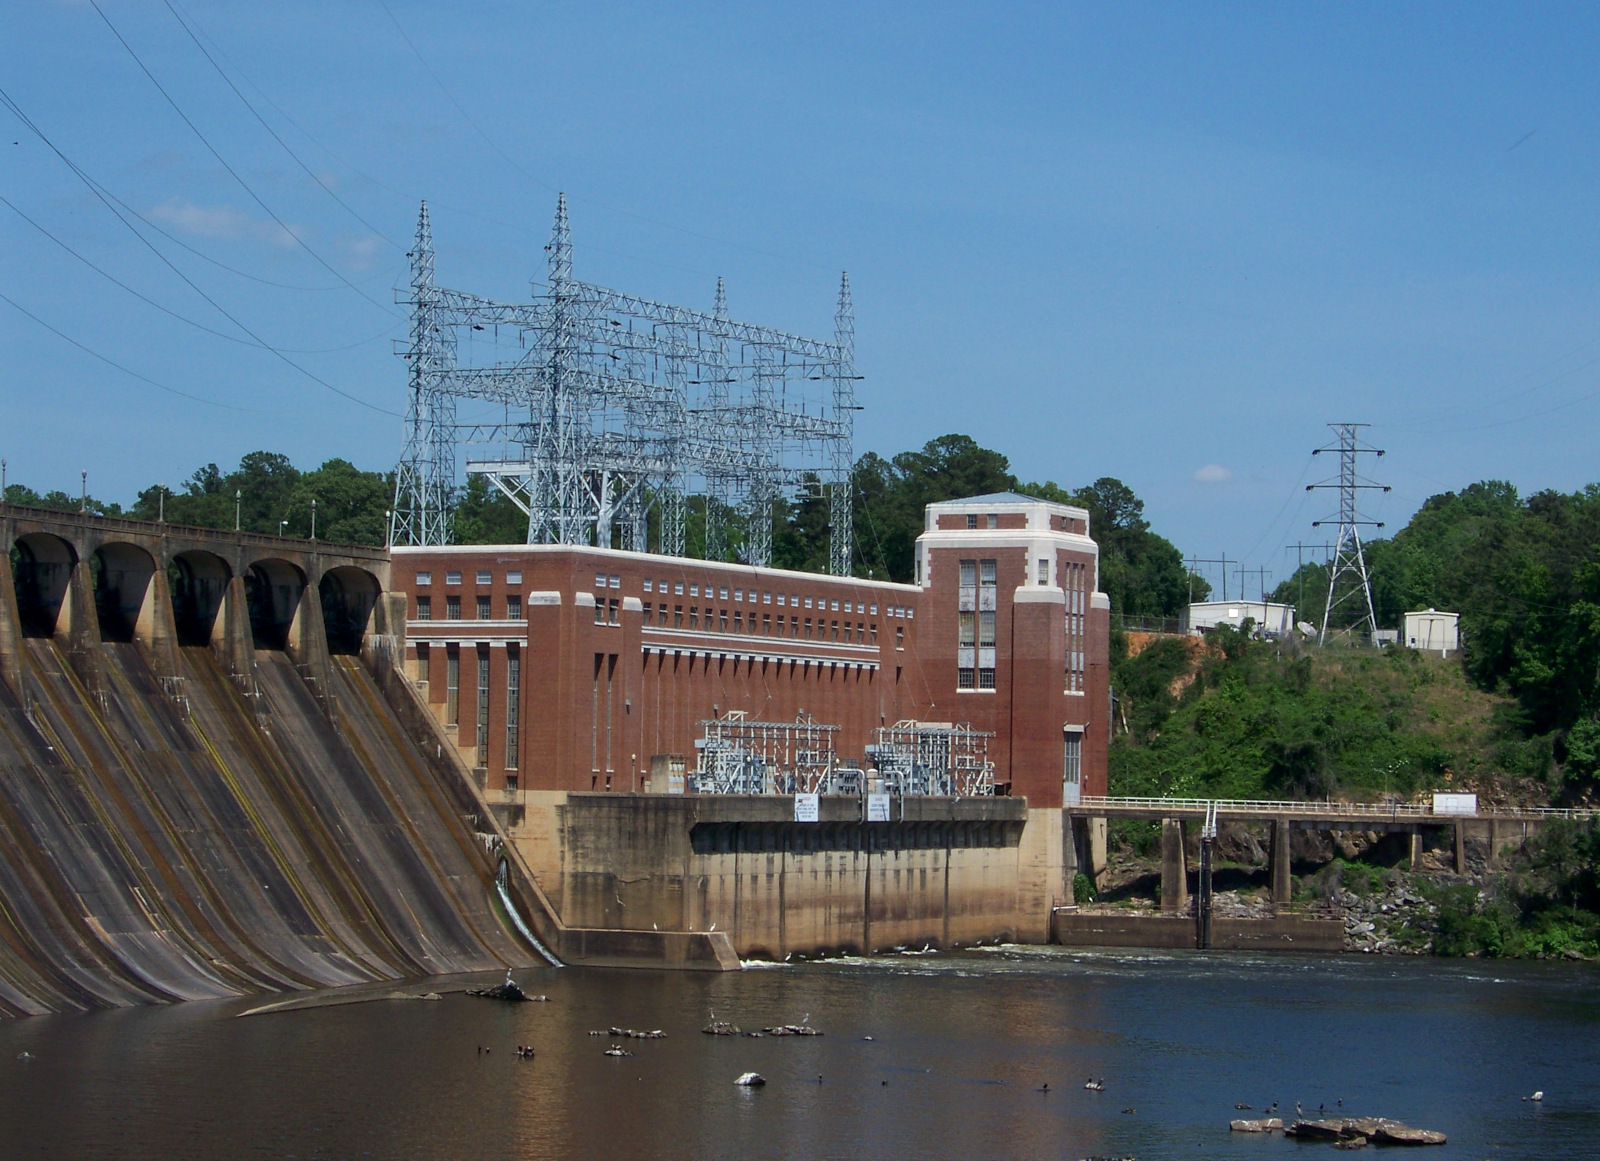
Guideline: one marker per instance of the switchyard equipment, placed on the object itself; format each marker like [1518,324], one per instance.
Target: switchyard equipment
[597,413]
[739,755]
[937,758]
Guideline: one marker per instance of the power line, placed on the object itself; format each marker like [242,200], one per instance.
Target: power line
[244,185]
[112,362]
[322,184]
[16,111]
[112,278]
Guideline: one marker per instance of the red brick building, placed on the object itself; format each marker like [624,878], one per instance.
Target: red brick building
[562,668]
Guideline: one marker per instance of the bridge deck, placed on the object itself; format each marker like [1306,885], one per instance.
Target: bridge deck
[1353,814]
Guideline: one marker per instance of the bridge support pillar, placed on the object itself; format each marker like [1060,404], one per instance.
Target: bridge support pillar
[78,624]
[1069,857]
[157,628]
[1282,880]
[1097,850]
[1174,868]
[1416,849]
[11,648]
[1460,829]
[308,645]
[233,644]
[1496,841]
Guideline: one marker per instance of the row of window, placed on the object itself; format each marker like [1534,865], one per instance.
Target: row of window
[976,600]
[718,621]
[1076,582]
[484,577]
[753,597]
[485,611]
[452,700]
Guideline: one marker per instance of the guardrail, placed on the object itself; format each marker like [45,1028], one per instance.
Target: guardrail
[1353,810]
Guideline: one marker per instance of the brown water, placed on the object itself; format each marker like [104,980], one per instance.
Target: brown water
[960,1045]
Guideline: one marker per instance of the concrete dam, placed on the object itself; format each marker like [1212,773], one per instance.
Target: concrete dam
[198,799]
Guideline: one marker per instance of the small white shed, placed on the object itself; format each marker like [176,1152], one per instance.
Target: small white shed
[1432,632]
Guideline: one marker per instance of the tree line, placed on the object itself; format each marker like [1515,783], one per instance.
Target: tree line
[1142,572]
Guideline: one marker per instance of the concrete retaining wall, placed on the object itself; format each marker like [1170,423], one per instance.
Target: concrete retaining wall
[1280,933]
[942,872]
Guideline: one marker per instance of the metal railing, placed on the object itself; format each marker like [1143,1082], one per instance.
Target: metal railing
[1355,810]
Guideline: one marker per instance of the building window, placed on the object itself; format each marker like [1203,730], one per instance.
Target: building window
[677,616]
[649,585]
[484,612]
[483,705]
[873,630]
[452,578]
[599,580]
[993,520]
[599,610]
[616,581]
[424,608]
[722,620]
[452,685]
[513,707]
[899,636]
[452,608]
[694,614]
[422,661]
[485,578]
[616,607]
[513,608]
[1071,767]
[766,624]
[513,578]
[424,579]
[1044,572]
[808,628]
[835,630]
[972,520]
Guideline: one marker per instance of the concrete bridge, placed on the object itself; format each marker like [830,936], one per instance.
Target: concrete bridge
[1500,826]
[83,578]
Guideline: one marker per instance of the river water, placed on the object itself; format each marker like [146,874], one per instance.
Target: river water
[960,1045]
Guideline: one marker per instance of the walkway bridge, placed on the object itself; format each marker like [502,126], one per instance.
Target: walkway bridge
[1499,825]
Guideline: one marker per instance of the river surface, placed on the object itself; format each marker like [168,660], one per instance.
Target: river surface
[959,1047]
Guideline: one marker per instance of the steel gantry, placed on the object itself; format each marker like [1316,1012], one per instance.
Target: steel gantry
[614,408]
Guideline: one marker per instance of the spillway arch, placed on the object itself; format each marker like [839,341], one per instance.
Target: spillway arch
[199,582]
[122,574]
[348,595]
[41,566]
[273,589]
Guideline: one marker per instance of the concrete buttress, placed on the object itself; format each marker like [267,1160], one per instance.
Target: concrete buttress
[1174,867]
[1282,856]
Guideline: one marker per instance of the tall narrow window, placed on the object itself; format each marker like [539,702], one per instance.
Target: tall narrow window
[452,685]
[513,704]
[1071,767]
[483,705]
[424,608]
[452,608]
[513,608]
[594,727]
[422,661]
[484,613]
[988,591]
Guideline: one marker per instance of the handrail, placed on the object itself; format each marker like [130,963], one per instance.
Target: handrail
[1370,810]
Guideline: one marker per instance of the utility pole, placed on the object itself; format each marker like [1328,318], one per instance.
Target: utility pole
[1349,562]
[1223,561]
[1300,551]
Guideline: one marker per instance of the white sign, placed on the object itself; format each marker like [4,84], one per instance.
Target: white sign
[1455,803]
[805,807]
[877,808]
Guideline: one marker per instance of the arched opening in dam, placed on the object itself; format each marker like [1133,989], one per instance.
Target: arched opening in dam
[348,597]
[272,590]
[122,575]
[199,581]
[41,566]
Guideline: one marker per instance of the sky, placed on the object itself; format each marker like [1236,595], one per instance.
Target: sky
[1166,243]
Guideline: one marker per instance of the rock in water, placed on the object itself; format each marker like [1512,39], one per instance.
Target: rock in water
[1265,1125]
[1391,1133]
[751,1080]
[505,991]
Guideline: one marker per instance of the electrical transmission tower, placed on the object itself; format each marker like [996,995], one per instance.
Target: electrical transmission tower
[1348,582]
[614,408]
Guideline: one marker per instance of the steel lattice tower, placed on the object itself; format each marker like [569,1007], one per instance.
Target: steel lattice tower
[613,407]
[425,476]
[1347,571]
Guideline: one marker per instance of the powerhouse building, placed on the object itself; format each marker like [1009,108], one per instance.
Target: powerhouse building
[570,669]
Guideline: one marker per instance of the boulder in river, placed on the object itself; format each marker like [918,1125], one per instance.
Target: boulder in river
[1263,1125]
[751,1080]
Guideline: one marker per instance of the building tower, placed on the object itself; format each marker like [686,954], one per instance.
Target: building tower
[1348,583]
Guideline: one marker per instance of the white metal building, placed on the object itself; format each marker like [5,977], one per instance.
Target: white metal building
[1270,618]
[1432,631]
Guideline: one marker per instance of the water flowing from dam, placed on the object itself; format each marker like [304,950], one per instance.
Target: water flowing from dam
[200,838]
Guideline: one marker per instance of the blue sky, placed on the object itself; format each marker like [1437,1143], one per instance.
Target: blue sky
[1165,243]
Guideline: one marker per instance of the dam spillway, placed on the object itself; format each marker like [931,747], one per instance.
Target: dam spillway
[192,836]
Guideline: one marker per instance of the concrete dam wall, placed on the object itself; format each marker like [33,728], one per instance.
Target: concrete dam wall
[171,831]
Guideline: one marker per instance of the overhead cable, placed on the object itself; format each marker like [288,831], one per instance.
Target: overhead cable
[244,185]
[113,363]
